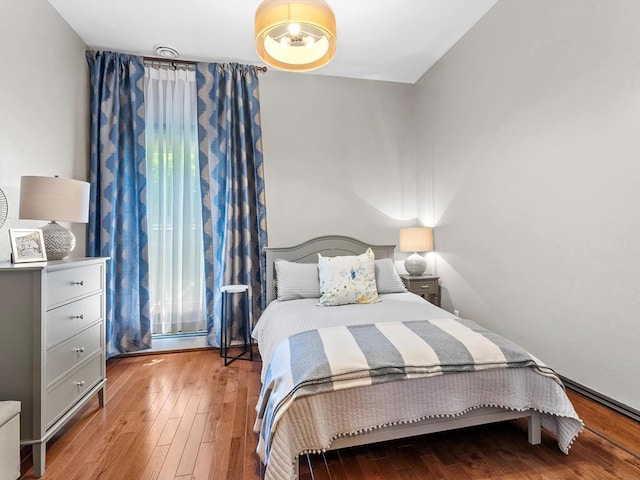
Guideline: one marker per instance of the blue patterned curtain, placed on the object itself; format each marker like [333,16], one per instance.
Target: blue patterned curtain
[117,212]
[232,175]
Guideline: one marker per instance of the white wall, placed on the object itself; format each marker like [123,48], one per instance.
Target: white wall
[529,131]
[339,157]
[44,119]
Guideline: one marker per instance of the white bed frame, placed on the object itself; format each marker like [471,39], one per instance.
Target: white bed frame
[335,245]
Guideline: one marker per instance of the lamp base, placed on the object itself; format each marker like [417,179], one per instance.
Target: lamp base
[58,241]
[415,264]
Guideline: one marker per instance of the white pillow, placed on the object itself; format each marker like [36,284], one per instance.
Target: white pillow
[347,279]
[296,280]
[387,278]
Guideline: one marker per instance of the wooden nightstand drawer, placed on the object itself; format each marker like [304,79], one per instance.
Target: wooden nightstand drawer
[425,286]
[428,286]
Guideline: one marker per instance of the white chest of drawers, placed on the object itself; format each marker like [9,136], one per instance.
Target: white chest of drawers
[52,344]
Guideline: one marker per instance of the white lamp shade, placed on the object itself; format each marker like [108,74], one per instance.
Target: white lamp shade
[416,239]
[54,198]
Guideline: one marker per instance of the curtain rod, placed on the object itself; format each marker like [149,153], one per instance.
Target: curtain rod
[186,63]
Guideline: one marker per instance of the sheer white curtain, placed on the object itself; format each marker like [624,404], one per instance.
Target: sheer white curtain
[176,264]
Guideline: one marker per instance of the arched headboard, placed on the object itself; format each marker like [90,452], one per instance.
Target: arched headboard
[307,252]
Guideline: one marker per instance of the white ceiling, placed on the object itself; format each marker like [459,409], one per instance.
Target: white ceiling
[393,40]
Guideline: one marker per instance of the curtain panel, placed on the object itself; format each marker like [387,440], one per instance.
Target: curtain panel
[174,201]
[232,182]
[117,211]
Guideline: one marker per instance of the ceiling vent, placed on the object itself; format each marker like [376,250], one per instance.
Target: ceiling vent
[166,52]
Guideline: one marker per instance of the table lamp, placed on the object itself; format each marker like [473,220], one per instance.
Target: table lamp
[416,239]
[59,200]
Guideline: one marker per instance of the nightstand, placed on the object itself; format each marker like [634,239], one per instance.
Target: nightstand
[426,286]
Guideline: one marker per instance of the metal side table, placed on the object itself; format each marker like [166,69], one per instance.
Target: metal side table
[227,310]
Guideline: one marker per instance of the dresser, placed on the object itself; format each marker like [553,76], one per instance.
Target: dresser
[52,343]
[426,286]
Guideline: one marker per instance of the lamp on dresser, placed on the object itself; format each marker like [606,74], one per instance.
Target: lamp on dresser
[416,239]
[55,199]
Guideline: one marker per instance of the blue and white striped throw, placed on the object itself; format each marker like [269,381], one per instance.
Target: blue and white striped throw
[335,358]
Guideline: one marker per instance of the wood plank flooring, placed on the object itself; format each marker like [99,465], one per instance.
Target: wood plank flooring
[185,416]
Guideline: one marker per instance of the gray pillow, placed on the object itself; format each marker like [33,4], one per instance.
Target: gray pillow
[387,278]
[296,280]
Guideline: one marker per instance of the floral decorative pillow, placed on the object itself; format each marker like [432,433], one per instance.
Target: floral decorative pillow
[347,279]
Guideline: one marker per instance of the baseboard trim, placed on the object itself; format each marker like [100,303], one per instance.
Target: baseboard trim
[602,399]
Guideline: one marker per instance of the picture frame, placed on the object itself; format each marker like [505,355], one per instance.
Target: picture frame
[27,245]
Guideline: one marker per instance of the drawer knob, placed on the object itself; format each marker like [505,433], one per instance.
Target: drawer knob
[79,349]
[80,383]
[81,316]
[80,283]
[425,287]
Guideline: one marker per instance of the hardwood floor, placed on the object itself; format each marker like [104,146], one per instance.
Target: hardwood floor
[185,416]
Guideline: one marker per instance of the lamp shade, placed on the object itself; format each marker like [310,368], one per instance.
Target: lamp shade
[54,198]
[295,35]
[416,239]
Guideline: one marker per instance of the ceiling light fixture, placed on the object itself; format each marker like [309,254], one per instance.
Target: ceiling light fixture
[297,36]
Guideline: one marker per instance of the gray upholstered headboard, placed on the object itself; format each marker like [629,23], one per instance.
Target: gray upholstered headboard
[307,252]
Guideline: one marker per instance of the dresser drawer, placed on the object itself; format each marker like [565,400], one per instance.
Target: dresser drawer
[64,322]
[70,283]
[71,387]
[67,355]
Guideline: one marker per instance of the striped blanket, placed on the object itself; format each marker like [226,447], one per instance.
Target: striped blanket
[335,358]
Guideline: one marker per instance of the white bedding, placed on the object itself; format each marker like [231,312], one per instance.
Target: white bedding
[313,422]
[283,319]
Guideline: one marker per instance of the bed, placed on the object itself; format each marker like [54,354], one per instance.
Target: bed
[348,407]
